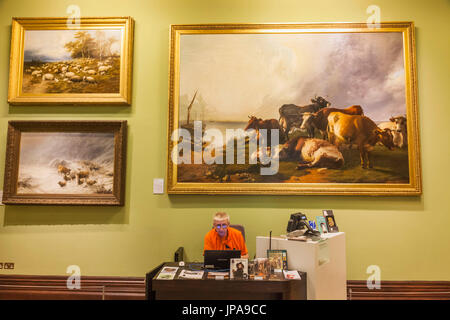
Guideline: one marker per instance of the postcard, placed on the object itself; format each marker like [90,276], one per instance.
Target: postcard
[167,273]
[291,274]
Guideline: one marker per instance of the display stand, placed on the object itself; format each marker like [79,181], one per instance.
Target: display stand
[324,262]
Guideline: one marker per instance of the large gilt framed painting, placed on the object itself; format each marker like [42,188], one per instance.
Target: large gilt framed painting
[55,62]
[293,109]
[65,163]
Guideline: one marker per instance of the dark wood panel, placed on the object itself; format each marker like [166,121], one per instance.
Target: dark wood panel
[24,287]
[400,290]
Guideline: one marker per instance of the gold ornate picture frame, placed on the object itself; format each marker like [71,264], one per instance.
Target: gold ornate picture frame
[54,62]
[65,163]
[269,79]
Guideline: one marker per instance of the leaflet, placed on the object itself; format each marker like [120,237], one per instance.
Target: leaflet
[291,274]
[189,274]
[167,273]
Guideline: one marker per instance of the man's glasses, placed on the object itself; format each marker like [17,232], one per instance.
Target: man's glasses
[221,226]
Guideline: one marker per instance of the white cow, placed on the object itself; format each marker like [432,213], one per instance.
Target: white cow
[311,152]
[397,125]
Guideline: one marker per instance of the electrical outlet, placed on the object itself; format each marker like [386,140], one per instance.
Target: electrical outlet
[9,265]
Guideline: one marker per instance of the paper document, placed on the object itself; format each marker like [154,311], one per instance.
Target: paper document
[188,274]
[167,273]
[291,274]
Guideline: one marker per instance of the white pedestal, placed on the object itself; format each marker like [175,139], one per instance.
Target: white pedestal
[323,261]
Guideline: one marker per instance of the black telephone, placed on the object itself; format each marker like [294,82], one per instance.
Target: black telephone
[299,221]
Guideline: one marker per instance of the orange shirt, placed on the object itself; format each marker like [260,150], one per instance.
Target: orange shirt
[233,241]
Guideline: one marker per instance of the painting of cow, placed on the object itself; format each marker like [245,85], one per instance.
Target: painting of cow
[397,125]
[359,130]
[319,120]
[312,153]
[291,115]
[258,124]
[339,101]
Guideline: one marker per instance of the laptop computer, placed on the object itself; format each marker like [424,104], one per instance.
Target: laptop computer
[220,259]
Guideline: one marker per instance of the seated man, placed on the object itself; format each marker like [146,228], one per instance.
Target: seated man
[223,237]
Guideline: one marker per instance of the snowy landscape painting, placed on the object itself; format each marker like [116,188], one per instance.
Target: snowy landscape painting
[65,162]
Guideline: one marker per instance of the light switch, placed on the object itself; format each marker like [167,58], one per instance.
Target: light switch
[158,186]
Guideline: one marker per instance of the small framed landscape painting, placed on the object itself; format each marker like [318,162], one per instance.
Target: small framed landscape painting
[293,109]
[65,163]
[55,62]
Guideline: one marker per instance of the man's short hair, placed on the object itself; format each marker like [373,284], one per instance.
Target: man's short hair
[220,216]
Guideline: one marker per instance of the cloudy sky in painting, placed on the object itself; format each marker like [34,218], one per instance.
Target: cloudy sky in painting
[45,147]
[48,45]
[241,75]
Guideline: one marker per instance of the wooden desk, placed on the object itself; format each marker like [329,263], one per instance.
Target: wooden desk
[206,289]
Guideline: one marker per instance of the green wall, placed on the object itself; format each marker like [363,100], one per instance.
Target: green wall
[406,236]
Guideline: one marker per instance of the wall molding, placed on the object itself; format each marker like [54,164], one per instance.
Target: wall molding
[38,287]
[399,290]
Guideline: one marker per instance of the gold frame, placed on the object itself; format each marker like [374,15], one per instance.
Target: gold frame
[20,25]
[15,128]
[413,188]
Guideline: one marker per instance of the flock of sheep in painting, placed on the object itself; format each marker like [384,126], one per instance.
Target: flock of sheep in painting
[70,71]
[88,174]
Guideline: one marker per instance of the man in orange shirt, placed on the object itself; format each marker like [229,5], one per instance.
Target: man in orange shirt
[223,237]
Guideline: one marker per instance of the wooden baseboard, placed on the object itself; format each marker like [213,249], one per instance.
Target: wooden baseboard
[399,290]
[24,287]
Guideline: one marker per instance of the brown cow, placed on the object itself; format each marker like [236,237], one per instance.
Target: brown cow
[359,130]
[319,119]
[257,124]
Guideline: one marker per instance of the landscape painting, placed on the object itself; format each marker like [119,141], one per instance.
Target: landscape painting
[65,162]
[294,111]
[54,62]
[71,61]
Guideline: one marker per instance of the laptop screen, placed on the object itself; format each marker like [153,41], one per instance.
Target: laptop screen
[220,259]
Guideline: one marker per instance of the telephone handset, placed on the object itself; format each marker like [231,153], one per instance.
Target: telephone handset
[298,226]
